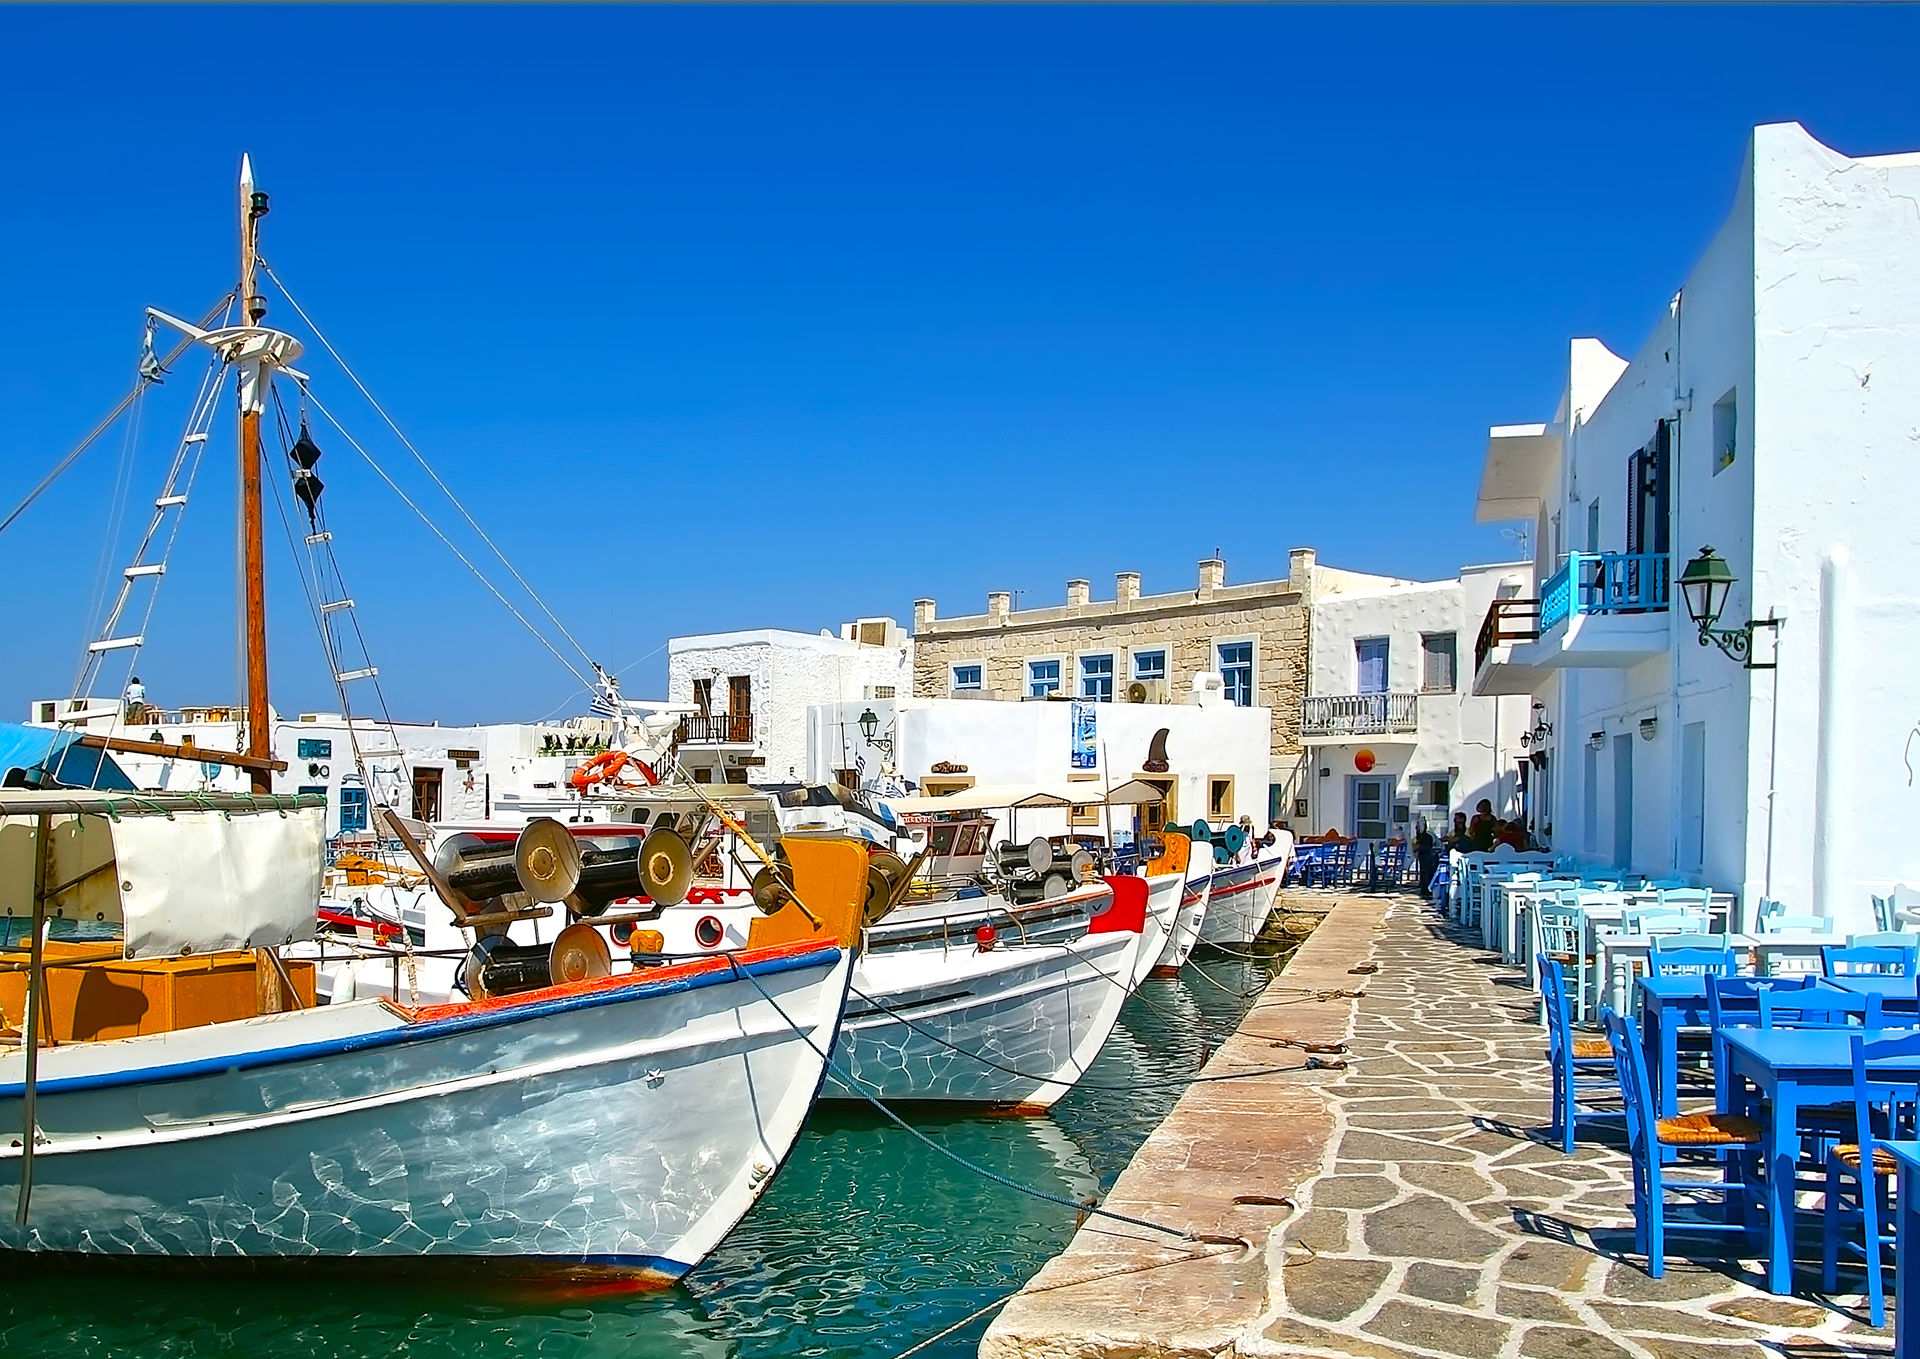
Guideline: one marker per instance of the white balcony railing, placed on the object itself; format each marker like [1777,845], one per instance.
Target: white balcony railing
[1359,714]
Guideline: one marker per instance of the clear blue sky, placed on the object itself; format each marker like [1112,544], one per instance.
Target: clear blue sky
[729,318]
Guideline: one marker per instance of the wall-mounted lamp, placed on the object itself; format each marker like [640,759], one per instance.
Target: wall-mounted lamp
[869,725]
[1648,725]
[1325,772]
[1705,584]
[1597,741]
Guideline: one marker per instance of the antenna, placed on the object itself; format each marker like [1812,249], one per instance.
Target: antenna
[1518,536]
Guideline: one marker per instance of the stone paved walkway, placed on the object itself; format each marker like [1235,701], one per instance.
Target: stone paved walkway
[1441,1226]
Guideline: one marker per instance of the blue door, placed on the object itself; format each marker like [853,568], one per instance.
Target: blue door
[1371,654]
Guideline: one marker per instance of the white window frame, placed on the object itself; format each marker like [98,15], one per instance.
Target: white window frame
[1252,641]
[1026,674]
[1081,677]
[953,677]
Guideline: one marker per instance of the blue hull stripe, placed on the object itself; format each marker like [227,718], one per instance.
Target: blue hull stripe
[824,957]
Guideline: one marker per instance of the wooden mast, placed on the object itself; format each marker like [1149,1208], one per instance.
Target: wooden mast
[253,583]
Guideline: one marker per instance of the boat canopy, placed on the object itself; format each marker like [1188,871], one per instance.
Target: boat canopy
[184,873]
[34,756]
[986,796]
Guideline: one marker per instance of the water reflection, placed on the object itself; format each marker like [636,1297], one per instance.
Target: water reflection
[868,1242]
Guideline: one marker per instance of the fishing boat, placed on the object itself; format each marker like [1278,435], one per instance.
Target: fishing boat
[180,1096]
[1241,894]
[1196,884]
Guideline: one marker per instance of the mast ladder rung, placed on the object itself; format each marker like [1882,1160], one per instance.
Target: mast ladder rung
[199,438]
[368,673]
[115,643]
[333,604]
[152,569]
[315,539]
[167,502]
[376,754]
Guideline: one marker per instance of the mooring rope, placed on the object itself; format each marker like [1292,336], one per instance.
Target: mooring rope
[1178,1233]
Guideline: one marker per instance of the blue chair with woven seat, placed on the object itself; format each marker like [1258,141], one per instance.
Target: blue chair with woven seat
[1881,1112]
[1867,955]
[1651,1140]
[1582,1067]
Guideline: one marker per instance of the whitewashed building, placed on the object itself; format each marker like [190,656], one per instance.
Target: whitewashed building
[1394,734]
[1209,755]
[1772,415]
[748,692]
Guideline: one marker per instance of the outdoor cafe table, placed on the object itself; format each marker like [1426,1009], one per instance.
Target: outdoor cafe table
[1897,994]
[1669,1004]
[1789,1069]
[1617,951]
[1906,1251]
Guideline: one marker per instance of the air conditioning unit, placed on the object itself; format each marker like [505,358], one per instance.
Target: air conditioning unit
[1147,691]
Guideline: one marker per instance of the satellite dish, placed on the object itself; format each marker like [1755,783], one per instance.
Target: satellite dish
[579,954]
[1039,854]
[546,860]
[666,868]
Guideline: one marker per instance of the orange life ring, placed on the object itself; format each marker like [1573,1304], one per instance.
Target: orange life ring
[600,769]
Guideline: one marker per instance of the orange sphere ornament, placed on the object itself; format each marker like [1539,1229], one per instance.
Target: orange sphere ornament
[1363,760]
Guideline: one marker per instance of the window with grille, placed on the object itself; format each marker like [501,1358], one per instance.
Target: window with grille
[965,677]
[1437,662]
[1236,669]
[1043,678]
[1096,678]
[1148,665]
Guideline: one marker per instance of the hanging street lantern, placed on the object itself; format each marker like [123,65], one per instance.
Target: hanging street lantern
[1705,585]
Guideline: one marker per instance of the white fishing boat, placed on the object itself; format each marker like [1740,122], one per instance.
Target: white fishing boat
[1241,895]
[1196,887]
[178,1094]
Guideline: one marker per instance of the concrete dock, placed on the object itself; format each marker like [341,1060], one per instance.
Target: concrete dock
[1402,1206]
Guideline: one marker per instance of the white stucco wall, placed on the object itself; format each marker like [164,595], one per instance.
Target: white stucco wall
[1799,314]
[790,672]
[1004,742]
[1471,742]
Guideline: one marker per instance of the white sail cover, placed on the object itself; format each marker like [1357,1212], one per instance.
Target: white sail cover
[199,881]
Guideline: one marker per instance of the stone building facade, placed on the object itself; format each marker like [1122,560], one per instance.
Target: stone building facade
[1250,640]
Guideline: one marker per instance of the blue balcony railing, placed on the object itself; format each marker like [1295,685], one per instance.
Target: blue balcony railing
[1605,582]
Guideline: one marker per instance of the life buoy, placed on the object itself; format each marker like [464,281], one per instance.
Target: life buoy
[603,767]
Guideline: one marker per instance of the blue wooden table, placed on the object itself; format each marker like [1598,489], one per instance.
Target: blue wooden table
[1906,1267]
[1792,1068]
[1897,994]
[1669,1004]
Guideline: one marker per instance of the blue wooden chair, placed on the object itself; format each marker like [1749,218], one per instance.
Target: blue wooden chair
[1560,936]
[1818,1008]
[1692,955]
[1734,1002]
[1582,1067]
[1863,955]
[1881,1112]
[1725,1190]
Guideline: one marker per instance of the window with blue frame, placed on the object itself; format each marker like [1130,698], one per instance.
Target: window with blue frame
[353,810]
[1096,678]
[1043,678]
[1370,656]
[1149,665]
[1236,668]
[966,677]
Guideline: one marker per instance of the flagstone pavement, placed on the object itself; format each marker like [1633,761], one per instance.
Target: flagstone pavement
[1442,1225]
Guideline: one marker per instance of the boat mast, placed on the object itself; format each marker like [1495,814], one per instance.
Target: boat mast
[254,379]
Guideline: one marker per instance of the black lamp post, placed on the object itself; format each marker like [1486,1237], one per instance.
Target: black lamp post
[869,726]
[1706,583]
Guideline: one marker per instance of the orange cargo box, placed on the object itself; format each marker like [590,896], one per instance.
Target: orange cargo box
[92,997]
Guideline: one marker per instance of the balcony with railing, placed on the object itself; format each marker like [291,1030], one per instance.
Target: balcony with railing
[1498,664]
[1605,609]
[1339,717]
[715,729]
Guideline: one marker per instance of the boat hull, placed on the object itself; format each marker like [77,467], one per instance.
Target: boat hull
[1240,898]
[1166,899]
[609,1131]
[920,1020]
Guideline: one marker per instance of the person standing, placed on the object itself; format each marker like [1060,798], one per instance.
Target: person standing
[1426,852]
[136,700]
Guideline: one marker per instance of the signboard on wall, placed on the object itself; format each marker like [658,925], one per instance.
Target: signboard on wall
[1085,736]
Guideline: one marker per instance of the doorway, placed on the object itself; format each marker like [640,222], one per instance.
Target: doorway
[1368,807]
[1623,800]
[426,794]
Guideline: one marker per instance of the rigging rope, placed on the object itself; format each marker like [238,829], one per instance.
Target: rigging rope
[460,556]
[106,423]
[407,444]
[1178,1233]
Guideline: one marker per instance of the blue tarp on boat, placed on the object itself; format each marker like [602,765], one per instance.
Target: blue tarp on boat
[33,751]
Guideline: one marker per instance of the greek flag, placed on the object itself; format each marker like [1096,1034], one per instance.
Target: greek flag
[602,706]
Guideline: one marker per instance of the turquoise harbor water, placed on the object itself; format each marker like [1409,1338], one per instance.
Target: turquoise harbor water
[867,1244]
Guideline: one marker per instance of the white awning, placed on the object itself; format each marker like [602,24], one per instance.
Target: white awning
[988,796]
[181,878]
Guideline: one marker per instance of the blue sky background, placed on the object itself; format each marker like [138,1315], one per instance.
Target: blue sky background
[730,318]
